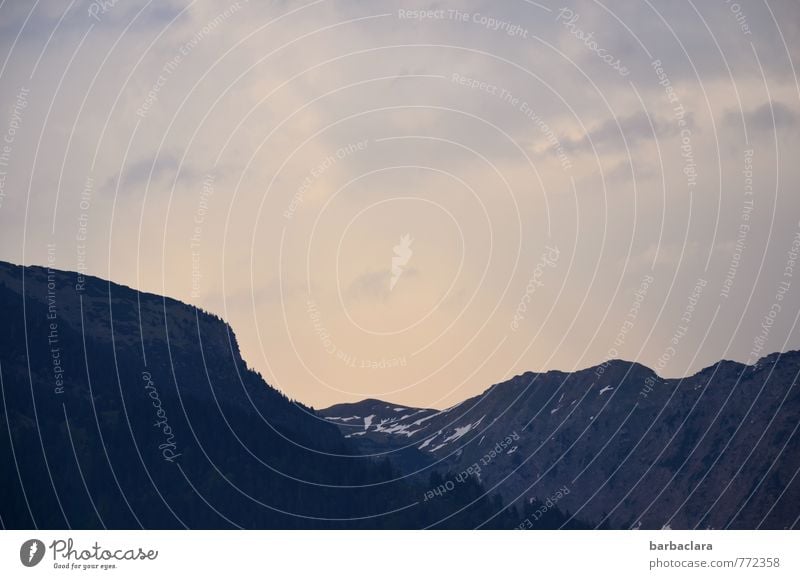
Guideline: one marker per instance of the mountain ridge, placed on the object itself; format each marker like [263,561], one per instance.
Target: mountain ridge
[551,413]
[127,410]
[594,367]
[619,448]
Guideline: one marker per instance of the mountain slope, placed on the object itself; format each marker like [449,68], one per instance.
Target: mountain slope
[123,409]
[718,449]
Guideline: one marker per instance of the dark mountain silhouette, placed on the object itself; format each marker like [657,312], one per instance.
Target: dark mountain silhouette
[122,409]
[719,449]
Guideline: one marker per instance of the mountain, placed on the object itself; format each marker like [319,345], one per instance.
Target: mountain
[615,444]
[122,409]
[125,410]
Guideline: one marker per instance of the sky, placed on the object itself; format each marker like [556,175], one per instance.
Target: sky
[413,201]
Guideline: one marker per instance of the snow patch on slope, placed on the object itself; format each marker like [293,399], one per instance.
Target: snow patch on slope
[368,421]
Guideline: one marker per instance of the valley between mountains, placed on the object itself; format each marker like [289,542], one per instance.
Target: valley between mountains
[122,409]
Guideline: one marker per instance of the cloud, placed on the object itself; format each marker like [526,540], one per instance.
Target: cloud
[613,134]
[374,286]
[768,117]
[139,174]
